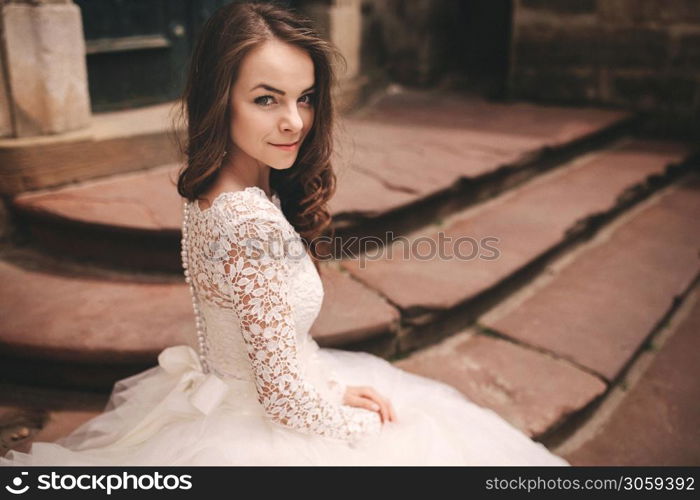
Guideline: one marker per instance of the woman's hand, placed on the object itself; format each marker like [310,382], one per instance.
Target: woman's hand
[368,398]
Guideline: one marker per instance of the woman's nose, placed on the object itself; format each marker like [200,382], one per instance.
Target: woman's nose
[292,119]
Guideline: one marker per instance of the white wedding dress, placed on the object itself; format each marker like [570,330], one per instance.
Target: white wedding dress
[254,388]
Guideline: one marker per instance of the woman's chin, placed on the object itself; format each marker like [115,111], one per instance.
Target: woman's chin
[282,166]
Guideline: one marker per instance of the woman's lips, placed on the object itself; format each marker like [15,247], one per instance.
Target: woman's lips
[286,148]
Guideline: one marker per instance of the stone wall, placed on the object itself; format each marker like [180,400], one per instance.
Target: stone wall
[407,40]
[636,54]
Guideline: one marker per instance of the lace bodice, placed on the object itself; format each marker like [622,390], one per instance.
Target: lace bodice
[258,293]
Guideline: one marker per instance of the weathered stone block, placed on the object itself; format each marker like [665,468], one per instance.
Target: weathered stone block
[650,90]
[5,110]
[571,46]
[47,74]
[636,12]
[687,56]
[634,47]
[565,84]
[562,6]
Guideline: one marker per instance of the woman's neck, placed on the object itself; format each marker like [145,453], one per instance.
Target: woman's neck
[246,174]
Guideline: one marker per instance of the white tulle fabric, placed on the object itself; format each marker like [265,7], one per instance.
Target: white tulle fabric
[258,390]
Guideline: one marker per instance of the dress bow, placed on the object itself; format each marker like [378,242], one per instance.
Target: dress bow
[204,391]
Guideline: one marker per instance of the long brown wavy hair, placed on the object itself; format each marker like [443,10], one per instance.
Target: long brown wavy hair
[226,38]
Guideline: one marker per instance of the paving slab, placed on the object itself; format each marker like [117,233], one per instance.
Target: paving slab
[656,423]
[533,391]
[350,311]
[526,121]
[423,159]
[599,309]
[358,193]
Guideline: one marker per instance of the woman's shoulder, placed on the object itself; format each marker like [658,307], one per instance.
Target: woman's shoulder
[240,217]
[249,200]
[249,206]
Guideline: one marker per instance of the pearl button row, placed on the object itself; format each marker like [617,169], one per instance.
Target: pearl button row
[201,340]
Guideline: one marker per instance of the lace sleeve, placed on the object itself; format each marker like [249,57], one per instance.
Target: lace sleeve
[258,278]
[336,387]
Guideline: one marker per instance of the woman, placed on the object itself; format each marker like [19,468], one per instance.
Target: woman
[256,389]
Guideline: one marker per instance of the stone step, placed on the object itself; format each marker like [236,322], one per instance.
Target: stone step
[598,309]
[25,337]
[353,315]
[33,414]
[492,373]
[385,169]
[653,420]
[132,221]
[536,391]
[115,142]
[527,359]
[511,232]
[64,329]
[461,136]
[532,390]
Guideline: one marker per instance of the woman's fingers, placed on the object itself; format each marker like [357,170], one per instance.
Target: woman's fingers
[386,406]
[369,403]
[388,410]
[385,409]
[362,402]
[392,413]
[380,408]
[381,402]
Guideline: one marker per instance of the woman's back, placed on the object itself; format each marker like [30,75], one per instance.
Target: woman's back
[230,247]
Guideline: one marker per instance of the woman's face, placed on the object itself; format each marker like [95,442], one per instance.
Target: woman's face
[272,104]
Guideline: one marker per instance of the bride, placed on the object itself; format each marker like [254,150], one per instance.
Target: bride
[253,387]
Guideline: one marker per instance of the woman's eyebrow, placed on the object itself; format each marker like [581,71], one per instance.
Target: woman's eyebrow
[277,91]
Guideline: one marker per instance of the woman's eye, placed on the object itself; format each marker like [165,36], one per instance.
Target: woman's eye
[262,100]
[310,98]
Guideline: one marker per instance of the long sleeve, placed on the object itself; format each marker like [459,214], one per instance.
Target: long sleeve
[336,387]
[258,275]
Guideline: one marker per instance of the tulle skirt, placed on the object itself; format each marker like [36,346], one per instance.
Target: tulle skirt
[150,421]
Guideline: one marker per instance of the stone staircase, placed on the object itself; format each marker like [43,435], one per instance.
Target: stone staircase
[577,208]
